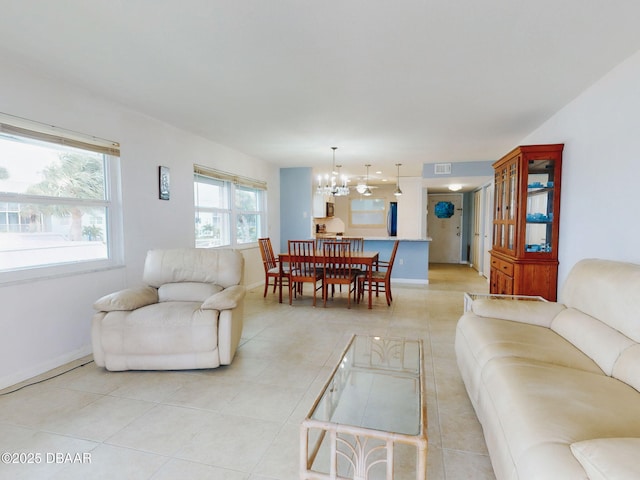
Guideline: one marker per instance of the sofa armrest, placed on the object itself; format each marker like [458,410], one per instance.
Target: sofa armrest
[227,299]
[535,313]
[127,299]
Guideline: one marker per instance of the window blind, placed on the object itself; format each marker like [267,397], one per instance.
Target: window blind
[19,127]
[229,177]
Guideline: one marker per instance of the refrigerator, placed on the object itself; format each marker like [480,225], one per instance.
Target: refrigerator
[392,219]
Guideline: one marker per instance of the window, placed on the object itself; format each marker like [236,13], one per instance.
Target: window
[230,210]
[367,212]
[56,200]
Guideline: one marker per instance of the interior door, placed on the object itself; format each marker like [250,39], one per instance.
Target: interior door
[445,230]
[476,239]
[488,229]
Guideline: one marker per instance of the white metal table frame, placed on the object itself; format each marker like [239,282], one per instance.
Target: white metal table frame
[361,456]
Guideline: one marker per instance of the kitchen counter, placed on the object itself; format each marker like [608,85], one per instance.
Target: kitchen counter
[411,264]
[402,239]
[412,258]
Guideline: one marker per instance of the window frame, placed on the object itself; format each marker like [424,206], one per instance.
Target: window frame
[31,132]
[236,212]
[382,212]
[233,212]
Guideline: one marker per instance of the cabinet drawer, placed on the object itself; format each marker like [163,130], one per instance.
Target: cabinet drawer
[506,268]
[501,266]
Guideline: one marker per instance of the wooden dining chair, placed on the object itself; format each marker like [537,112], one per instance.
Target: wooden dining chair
[338,269]
[271,266]
[320,243]
[380,277]
[357,243]
[303,267]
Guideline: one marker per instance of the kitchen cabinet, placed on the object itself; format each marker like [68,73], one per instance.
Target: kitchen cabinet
[320,205]
[526,220]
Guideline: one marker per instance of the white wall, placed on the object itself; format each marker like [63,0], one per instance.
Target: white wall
[601,161]
[47,323]
[412,214]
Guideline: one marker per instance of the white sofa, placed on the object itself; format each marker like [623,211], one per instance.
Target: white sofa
[556,386]
[187,316]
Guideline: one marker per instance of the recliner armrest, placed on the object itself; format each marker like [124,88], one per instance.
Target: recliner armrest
[227,299]
[127,299]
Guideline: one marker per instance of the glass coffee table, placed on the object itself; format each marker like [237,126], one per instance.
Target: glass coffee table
[368,413]
[470,297]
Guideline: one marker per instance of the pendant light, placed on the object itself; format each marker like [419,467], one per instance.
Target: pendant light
[398,192]
[367,191]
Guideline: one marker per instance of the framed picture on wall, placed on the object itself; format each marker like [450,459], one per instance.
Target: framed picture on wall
[164,183]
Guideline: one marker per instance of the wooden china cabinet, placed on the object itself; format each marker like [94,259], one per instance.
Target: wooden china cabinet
[526,219]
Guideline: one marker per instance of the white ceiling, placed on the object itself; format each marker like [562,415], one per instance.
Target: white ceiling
[404,81]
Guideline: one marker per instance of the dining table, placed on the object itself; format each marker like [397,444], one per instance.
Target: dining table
[364,259]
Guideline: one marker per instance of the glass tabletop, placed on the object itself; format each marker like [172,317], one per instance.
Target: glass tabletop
[376,385]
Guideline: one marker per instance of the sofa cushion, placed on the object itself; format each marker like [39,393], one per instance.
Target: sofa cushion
[608,291]
[220,266]
[541,409]
[488,338]
[609,458]
[595,338]
[160,329]
[479,340]
[627,367]
[187,291]
[128,299]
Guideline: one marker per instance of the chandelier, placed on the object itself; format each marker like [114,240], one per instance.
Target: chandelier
[333,183]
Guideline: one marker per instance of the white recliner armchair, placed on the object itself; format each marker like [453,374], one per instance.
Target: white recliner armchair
[187,316]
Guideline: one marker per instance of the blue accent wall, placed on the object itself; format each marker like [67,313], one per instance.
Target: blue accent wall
[295,204]
[412,258]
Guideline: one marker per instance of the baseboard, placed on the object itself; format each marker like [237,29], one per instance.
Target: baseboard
[44,369]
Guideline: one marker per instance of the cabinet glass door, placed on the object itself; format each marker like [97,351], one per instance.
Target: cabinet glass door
[497,212]
[510,210]
[539,215]
[506,198]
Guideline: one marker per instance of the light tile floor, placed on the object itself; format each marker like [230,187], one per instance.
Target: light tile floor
[241,422]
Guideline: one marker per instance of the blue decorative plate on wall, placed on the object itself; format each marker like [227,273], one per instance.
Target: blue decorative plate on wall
[444,209]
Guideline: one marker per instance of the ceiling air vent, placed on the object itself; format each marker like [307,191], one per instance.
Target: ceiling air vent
[442,169]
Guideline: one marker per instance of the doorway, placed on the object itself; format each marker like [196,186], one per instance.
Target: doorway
[487,242]
[444,226]
[482,230]
[476,234]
